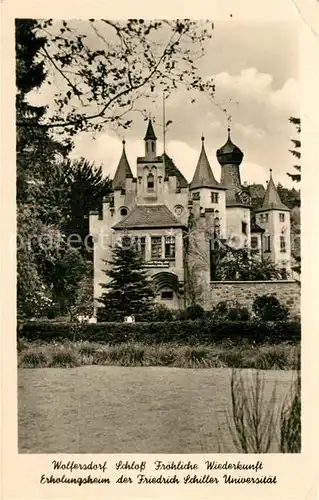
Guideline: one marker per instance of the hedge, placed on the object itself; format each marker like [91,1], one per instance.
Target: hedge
[182,332]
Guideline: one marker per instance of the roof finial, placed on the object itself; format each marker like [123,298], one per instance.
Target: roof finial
[202,138]
[229,118]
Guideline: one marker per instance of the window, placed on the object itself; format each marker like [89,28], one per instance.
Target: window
[153,147]
[254,242]
[156,247]
[123,211]
[281,217]
[169,247]
[214,197]
[101,212]
[267,243]
[284,273]
[282,244]
[195,196]
[264,218]
[142,246]
[150,182]
[146,145]
[244,227]
[167,295]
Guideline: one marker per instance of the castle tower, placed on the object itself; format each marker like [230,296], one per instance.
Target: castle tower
[274,218]
[150,171]
[238,200]
[150,141]
[209,218]
[123,171]
[208,195]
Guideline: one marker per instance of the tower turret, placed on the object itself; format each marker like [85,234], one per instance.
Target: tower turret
[238,200]
[150,141]
[123,171]
[274,218]
[203,176]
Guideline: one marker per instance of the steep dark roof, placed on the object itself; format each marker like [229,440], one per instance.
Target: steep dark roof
[172,170]
[148,216]
[122,172]
[254,228]
[150,134]
[229,153]
[203,176]
[272,199]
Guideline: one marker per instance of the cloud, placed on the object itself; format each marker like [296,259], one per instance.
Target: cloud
[252,85]
[259,174]
[287,97]
[249,131]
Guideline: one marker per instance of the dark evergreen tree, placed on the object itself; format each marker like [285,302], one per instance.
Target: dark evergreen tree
[130,290]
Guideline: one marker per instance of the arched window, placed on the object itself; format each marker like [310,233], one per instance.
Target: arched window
[150,182]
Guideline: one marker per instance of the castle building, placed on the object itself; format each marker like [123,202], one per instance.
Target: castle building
[178,226]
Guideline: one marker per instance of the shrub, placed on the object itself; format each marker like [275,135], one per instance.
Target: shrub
[194,312]
[33,359]
[220,311]
[180,332]
[238,314]
[160,312]
[268,308]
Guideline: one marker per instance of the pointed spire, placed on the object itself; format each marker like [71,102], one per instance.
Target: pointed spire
[272,199]
[150,134]
[122,172]
[203,176]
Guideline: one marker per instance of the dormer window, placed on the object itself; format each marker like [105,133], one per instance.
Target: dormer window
[150,183]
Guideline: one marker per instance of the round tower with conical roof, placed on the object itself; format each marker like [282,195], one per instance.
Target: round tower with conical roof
[238,200]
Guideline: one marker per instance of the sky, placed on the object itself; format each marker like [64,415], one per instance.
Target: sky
[255,69]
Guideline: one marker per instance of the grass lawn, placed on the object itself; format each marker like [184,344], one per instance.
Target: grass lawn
[113,409]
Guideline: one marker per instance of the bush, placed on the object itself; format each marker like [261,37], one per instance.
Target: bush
[194,312]
[220,311]
[268,308]
[238,314]
[181,332]
[160,312]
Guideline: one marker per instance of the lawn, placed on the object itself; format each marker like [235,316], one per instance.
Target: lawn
[113,409]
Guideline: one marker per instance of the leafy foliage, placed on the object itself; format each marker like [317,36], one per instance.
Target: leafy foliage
[268,308]
[296,149]
[182,332]
[241,264]
[48,270]
[129,289]
[104,67]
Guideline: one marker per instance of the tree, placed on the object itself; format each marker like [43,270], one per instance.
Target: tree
[296,149]
[129,290]
[48,270]
[243,265]
[290,197]
[103,68]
